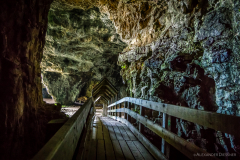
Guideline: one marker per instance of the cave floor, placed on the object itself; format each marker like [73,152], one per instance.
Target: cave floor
[110,139]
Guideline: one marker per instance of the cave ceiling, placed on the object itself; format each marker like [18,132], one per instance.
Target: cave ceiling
[81,46]
[85,37]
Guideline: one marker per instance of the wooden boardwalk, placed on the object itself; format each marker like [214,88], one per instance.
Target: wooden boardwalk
[108,139]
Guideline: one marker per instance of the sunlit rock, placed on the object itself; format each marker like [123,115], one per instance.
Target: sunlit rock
[81,46]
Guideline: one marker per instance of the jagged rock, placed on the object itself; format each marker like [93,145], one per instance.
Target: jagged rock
[193,61]
[81,47]
[23,25]
[45,93]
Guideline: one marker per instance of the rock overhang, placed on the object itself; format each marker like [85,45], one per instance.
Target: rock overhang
[81,46]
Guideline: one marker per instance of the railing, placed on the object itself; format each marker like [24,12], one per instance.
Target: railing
[63,144]
[205,118]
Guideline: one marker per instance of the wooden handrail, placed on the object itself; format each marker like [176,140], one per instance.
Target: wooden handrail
[187,148]
[208,119]
[63,144]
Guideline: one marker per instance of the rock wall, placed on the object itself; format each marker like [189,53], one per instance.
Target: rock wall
[194,63]
[45,93]
[23,115]
[81,48]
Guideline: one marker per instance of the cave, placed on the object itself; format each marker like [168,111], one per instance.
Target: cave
[57,56]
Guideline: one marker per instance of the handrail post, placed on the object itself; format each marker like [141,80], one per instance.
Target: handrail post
[115,114]
[166,124]
[127,108]
[140,124]
[124,106]
[163,125]
[115,106]
[107,107]
[168,128]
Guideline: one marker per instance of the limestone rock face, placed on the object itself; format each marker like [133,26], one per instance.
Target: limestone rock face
[136,21]
[45,92]
[81,46]
[193,62]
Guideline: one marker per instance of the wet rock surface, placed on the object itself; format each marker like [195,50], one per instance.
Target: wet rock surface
[193,63]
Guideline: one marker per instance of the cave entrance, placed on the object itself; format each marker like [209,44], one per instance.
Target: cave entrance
[77,52]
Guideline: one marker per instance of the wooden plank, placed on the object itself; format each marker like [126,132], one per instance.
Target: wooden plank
[97,121]
[100,150]
[187,148]
[124,133]
[117,133]
[99,132]
[93,150]
[129,133]
[149,146]
[105,130]
[118,151]
[137,155]
[154,151]
[85,153]
[208,119]
[112,133]
[105,133]
[94,131]
[83,143]
[126,151]
[109,150]
[143,150]
[87,145]
[105,122]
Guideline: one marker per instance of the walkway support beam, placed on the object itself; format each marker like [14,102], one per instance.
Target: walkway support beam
[106,89]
